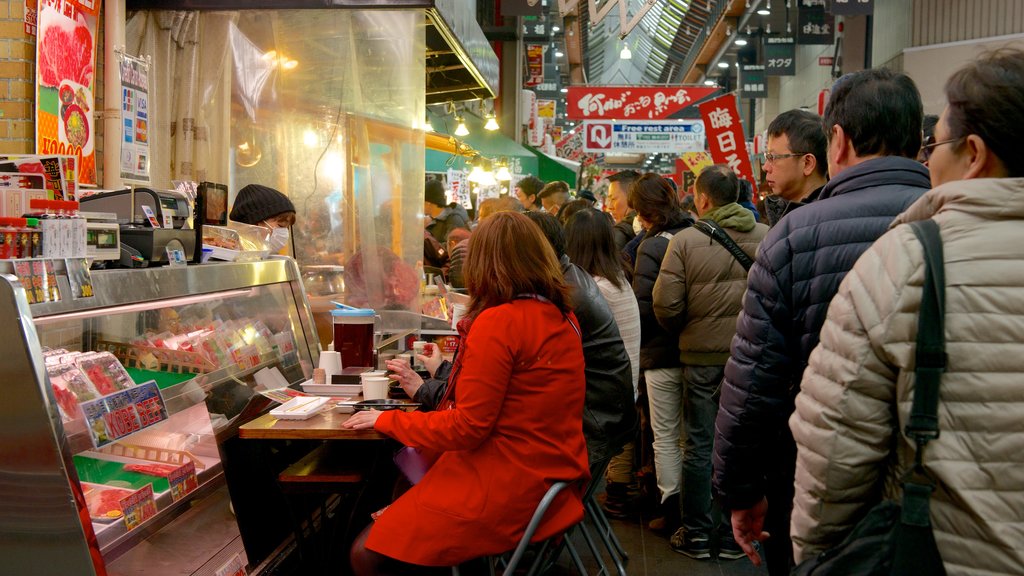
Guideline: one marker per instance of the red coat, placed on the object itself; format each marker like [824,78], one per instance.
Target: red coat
[517,427]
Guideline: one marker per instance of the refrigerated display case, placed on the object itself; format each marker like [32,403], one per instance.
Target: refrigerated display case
[82,443]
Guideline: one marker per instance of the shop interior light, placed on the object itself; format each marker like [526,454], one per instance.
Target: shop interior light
[555,29]
[492,122]
[741,41]
[723,64]
[626,54]
[709,82]
[563,90]
[765,10]
[503,174]
[460,129]
[310,139]
[559,53]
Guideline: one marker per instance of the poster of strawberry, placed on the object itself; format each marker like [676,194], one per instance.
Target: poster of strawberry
[65,82]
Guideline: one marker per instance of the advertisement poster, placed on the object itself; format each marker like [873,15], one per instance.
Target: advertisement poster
[725,136]
[65,82]
[534,65]
[546,108]
[630,102]
[134,118]
[643,136]
[124,412]
[30,17]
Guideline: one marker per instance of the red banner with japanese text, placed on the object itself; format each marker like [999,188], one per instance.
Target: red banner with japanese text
[534,64]
[630,102]
[65,82]
[725,135]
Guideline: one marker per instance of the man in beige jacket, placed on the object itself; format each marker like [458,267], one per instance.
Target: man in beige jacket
[698,294]
[857,391]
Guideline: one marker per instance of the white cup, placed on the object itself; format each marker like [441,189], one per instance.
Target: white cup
[419,346]
[374,374]
[375,388]
[458,311]
[409,359]
[330,361]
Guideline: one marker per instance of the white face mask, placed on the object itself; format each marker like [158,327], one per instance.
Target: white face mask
[638,225]
[278,239]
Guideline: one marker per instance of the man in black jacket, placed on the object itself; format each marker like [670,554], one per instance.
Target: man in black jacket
[873,123]
[609,416]
[795,162]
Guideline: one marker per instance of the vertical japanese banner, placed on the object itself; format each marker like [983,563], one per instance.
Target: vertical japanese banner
[534,64]
[134,117]
[65,81]
[725,135]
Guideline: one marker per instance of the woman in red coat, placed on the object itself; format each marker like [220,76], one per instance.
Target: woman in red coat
[510,423]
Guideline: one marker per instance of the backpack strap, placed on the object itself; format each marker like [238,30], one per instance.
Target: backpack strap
[715,232]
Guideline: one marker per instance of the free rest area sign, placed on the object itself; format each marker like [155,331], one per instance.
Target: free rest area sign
[643,136]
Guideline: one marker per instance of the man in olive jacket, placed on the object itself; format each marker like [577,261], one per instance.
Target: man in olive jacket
[873,123]
[698,294]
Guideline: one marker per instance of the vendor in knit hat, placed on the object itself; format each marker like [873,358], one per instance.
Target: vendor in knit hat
[263,206]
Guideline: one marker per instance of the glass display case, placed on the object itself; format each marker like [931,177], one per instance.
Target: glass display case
[114,410]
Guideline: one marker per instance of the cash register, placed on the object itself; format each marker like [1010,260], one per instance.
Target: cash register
[150,220]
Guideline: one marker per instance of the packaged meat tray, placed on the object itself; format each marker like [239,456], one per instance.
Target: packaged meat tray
[113,473]
[70,387]
[104,502]
[105,372]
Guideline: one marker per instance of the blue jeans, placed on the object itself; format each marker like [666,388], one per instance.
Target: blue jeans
[701,389]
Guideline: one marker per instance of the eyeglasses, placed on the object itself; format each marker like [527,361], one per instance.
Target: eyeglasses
[769,157]
[930,144]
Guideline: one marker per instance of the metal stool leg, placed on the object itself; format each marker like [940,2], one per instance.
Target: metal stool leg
[602,568]
[607,535]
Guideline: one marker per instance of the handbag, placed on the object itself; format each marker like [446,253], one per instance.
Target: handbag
[895,538]
[715,232]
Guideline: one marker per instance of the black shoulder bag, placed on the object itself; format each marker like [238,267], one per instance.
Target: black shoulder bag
[895,538]
[715,232]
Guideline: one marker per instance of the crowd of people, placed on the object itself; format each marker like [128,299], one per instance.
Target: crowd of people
[770,349]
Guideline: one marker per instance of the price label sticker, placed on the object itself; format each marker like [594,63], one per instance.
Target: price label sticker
[183,481]
[138,507]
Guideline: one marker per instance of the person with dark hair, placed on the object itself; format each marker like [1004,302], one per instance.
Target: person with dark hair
[587,196]
[745,197]
[444,216]
[571,207]
[657,206]
[927,131]
[873,122]
[795,163]
[697,296]
[856,395]
[526,192]
[492,457]
[610,417]
[617,201]
[589,245]
[553,196]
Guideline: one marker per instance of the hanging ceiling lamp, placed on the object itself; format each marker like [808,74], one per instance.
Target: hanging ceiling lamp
[460,129]
[492,122]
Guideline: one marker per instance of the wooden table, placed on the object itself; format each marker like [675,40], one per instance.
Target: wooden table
[323,426]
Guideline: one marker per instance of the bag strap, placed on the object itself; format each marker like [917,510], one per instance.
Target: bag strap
[715,232]
[916,551]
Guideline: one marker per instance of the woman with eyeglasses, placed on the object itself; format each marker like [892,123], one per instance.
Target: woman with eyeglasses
[856,394]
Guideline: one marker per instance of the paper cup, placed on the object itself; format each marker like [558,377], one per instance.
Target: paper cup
[458,311]
[419,346]
[375,388]
[330,361]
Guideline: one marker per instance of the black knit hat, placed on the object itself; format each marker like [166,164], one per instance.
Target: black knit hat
[256,203]
[433,192]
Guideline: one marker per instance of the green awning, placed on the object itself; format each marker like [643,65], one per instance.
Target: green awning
[490,144]
[551,169]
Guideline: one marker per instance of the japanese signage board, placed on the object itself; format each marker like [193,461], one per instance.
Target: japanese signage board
[753,83]
[546,108]
[124,412]
[779,56]
[725,135]
[65,82]
[134,118]
[30,17]
[183,481]
[643,136]
[696,162]
[138,507]
[534,64]
[571,145]
[852,7]
[631,103]
[816,27]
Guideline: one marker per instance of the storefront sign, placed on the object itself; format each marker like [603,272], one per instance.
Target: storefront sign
[816,27]
[696,162]
[534,64]
[826,60]
[134,117]
[546,108]
[124,412]
[780,56]
[183,481]
[725,135]
[138,507]
[65,81]
[30,17]
[571,145]
[852,7]
[640,136]
[631,103]
[753,83]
